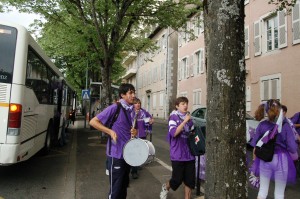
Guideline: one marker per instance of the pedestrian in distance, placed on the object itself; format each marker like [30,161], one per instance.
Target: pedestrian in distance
[281,168]
[144,122]
[119,134]
[72,116]
[296,121]
[294,156]
[296,128]
[183,162]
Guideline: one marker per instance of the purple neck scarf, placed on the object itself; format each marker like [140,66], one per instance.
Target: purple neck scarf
[268,135]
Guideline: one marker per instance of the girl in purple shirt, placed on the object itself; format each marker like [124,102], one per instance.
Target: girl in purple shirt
[141,126]
[183,162]
[281,168]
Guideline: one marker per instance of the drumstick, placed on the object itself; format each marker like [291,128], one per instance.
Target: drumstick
[134,119]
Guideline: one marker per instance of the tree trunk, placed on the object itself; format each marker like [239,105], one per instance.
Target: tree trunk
[106,91]
[226,170]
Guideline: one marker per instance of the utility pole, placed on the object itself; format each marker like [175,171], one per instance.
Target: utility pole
[86,87]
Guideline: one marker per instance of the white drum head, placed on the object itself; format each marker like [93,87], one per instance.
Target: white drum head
[136,152]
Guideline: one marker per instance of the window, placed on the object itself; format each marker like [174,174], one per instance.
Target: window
[199,62]
[270,87]
[197,25]
[197,97]
[8,41]
[162,71]
[272,33]
[184,68]
[154,100]
[161,99]
[179,70]
[296,23]
[41,79]
[247,42]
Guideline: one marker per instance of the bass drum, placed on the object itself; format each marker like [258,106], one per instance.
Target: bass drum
[137,152]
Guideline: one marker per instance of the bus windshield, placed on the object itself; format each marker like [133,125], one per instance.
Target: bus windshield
[8,37]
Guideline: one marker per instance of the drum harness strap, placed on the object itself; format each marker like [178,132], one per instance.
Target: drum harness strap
[115,117]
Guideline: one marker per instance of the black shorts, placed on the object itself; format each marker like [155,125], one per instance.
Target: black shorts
[183,171]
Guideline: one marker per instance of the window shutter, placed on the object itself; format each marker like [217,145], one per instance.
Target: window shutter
[179,39]
[274,88]
[246,42]
[188,67]
[265,90]
[296,23]
[179,69]
[248,98]
[192,65]
[282,36]
[201,62]
[257,38]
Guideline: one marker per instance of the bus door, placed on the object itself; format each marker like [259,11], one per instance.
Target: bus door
[58,113]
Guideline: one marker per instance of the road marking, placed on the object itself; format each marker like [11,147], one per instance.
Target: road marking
[163,164]
[94,138]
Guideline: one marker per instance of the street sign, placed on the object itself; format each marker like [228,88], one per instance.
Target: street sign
[85,94]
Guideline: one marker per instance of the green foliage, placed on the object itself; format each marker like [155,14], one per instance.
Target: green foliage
[283,4]
[97,34]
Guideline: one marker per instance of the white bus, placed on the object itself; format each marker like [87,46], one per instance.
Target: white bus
[35,99]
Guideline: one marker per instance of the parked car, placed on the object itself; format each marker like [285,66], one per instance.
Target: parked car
[199,118]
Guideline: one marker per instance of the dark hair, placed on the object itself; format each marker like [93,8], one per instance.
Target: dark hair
[271,107]
[181,99]
[284,108]
[124,88]
[260,112]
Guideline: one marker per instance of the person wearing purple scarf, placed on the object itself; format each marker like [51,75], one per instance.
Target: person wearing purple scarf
[119,134]
[143,127]
[183,162]
[281,169]
[296,121]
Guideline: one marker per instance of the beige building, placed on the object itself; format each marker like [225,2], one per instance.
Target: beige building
[272,57]
[154,74]
[272,54]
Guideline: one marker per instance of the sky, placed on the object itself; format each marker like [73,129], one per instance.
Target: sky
[19,18]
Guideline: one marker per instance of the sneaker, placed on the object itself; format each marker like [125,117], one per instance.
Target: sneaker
[164,192]
[107,172]
[135,176]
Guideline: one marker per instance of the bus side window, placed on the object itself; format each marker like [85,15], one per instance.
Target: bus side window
[36,77]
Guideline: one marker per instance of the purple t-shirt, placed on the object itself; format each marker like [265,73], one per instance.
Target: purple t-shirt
[179,149]
[284,140]
[121,126]
[296,120]
[141,125]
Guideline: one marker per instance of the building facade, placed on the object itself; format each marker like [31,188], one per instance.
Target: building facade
[272,57]
[154,74]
